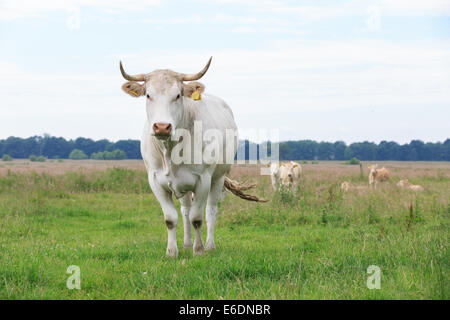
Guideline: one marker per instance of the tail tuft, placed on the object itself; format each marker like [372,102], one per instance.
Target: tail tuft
[238,190]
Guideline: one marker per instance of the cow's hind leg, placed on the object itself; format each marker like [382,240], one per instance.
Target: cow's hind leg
[211,211]
[186,202]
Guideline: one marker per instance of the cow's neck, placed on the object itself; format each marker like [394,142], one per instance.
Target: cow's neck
[166,146]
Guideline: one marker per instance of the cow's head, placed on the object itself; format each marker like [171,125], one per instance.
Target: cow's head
[288,174]
[373,170]
[163,90]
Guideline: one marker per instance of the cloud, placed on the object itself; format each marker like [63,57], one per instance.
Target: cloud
[20,9]
[312,11]
[415,7]
[289,75]
[303,12]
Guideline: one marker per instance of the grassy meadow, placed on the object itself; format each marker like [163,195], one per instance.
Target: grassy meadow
[315,244]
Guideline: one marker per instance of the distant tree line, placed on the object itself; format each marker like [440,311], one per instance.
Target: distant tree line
[60,148]
[416,150]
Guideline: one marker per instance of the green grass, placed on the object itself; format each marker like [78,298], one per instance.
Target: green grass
[316,244]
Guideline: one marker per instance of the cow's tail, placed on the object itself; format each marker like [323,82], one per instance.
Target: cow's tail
[238,190]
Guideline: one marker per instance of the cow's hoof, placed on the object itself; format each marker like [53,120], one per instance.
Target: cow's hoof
[198,250]
[210,246]
[171,252]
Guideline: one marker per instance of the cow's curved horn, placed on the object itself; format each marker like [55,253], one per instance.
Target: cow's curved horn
[196,76]
[138,77]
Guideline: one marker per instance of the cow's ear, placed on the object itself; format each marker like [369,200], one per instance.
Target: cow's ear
[134,89]
[190,87]
[295,165]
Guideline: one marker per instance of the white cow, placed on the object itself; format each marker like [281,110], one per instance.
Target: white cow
[377,175]
[407,185]
[286,175]
[275,175]
[290,175]
[197,185]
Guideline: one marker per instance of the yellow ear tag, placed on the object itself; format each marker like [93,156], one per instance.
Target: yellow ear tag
[133,92]
[196,95]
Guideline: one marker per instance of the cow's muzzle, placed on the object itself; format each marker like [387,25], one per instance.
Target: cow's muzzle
[162,130]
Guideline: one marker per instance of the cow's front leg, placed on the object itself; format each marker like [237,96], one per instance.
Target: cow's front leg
[186,203]
[197,209]
[170,215]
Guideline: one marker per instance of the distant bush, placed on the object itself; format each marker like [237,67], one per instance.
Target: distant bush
[33,158]
[353,161]
[107,155]
[7,157]
[77,154]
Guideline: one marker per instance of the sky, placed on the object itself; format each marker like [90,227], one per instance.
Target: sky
[323,70]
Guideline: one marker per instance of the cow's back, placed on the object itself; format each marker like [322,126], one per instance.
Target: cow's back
[212,111]
[382,175]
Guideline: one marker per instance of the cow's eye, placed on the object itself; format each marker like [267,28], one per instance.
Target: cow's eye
[148,97]
[178,97]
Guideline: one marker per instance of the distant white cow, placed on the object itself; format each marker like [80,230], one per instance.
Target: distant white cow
[290,175]
[377,175]
[407,185]
[170,110]
[286,175]
[275,175]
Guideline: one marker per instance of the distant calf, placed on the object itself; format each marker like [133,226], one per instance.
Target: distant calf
[377,175]
[407,185]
